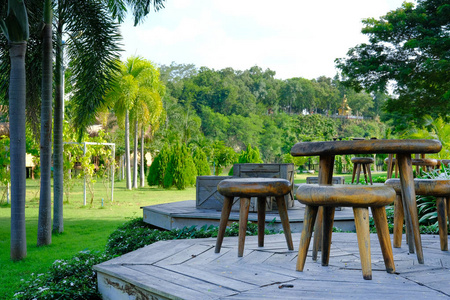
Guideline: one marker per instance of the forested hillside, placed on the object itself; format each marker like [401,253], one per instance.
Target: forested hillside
[217,108]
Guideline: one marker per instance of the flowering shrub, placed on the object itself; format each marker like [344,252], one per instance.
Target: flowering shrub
[66,279]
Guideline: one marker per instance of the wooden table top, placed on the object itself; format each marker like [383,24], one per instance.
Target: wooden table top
[365,147]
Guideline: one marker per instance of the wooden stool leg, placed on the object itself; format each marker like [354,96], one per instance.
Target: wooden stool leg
[364,167]
[328,220]
[398,221]
[308,224]
[379,216]
[390,166]
[282,210]
[226,209]
[358,172]
[442,221]
[243,218]
[261,220]
[410,205]
[370,174]
[354,172]
[362,233]
[318,232]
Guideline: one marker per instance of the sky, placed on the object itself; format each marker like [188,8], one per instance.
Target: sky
[294,38]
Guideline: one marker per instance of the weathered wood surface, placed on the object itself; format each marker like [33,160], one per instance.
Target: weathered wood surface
[365,147]
[189,269]
[184,213]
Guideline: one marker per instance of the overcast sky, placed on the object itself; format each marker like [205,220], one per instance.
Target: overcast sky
[294,38]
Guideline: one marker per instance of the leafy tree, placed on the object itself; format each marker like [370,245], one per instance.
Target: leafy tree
[409,47]
[15,28]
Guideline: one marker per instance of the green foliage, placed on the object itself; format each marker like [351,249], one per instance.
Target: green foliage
[66,279]
[250,155]
[201,162]
[181,171]
[222,156]
[410,46]
[136,234]
[158,167]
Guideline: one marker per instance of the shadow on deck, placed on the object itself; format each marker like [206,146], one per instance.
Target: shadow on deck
[189,269]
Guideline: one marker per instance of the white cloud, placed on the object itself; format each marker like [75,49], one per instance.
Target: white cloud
[294,38]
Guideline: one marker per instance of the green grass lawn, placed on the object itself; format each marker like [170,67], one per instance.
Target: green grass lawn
[85,227]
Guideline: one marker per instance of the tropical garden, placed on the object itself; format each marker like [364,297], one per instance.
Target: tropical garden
[92,121]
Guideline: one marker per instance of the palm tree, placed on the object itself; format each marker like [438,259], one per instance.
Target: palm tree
[45,200]
[138,91]
[15,28]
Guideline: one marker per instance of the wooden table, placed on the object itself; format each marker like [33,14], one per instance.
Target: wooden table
[403,150]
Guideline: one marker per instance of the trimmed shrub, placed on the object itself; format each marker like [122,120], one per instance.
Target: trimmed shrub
[201,162]
[158,167]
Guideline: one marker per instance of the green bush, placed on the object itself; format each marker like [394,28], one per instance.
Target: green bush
[158,167]
[201,162]
[181,171]
[250,155]
[136,234]
[66,279]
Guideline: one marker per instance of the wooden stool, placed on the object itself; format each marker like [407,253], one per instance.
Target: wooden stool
[427,163]
[362,163]
[358,197]
[245,188]
[439,188]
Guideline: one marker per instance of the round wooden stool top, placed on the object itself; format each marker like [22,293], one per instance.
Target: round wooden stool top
[345,195]
[424,187]
[427,162]
[362,160]
[254,187]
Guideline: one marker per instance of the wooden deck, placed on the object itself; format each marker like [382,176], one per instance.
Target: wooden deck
[184,213]
[189,269]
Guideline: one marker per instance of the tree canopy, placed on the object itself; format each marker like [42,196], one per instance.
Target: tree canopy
[410,49]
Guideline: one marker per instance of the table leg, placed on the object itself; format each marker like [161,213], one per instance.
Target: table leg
[326,164]
[409,204]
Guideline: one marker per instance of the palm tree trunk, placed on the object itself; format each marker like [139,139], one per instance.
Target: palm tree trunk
[44,236]
[135,152]
[127,150]
[58,144]
[142,177]
[17,149]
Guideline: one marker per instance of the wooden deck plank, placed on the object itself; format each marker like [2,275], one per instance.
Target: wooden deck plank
[192,267]
[183,283]
[199,273]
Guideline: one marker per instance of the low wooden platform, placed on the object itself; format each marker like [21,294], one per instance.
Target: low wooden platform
[189,269]
[184,213]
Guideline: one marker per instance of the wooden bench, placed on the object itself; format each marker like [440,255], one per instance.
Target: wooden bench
[245,188]
[358,197]
[439,188]
[364,164]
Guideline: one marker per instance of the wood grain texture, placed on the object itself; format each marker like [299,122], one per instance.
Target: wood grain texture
[365,147]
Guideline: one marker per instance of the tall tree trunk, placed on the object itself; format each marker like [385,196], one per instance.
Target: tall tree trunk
[142,177]
[17,85]
[127,150]
[58,144]
[135,155]
[44,236]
